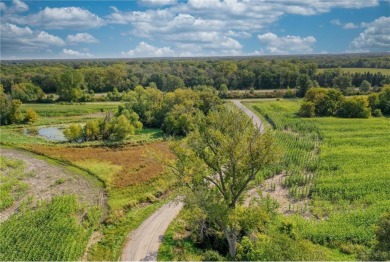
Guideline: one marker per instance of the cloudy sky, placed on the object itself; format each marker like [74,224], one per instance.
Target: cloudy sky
[176,28]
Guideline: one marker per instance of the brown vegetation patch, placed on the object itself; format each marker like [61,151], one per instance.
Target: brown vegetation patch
[139,162]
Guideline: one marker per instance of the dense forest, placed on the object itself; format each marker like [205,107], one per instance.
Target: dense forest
[76,80]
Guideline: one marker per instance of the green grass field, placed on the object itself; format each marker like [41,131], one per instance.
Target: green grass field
[55,110]
[384,71]
[351,174]
[54,231]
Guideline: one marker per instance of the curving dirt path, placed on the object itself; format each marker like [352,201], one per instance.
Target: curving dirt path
[46,180]
[143,243]
[256,120]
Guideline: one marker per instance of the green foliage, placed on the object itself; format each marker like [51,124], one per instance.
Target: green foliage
[174,112]
[91,130]
[381,249]
[31,116]
[354,107]
[303,84]
[384,100]
[11,186]
[50,232]
[69,85]
[121,127]
[307,109]
[73,133]
[224,144]
[9,109]
[342,82]
[27,92]
[365,86]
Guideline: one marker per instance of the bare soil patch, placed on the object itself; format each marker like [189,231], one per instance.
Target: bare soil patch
[48,180]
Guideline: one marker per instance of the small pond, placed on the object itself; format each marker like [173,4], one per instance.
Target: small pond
[50,133]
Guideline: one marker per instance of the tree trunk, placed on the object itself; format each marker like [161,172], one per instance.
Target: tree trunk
[232,240]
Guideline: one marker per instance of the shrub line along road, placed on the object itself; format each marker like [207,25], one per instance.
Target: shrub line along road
[143,243]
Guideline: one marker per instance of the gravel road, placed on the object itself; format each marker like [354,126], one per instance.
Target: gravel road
[144,242]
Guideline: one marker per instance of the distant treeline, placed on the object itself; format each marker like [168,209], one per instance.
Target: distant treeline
[70,79]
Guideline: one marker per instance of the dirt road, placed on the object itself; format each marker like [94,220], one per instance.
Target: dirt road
[256,120]
[144,242]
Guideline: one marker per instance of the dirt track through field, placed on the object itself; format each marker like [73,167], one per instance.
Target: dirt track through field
[46,180]
[143,243]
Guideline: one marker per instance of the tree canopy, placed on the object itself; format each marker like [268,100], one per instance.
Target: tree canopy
[216,164]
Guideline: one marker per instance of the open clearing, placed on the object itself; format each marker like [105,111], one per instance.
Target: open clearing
[384,71]
[48,180]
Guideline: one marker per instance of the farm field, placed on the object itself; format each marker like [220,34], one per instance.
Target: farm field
[384,71]
[348,187]
[46,204]
[129,171]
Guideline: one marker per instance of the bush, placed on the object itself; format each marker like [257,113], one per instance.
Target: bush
[211,255]
[355,107]
[365,86]
[307,109]
[377,113]
[73,133]
[31,116]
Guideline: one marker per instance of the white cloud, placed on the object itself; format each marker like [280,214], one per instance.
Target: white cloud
[75,54]
[61,18]
[376,36]
[287,44]
[81,38]
[157,2]
[238,34]
[23,39]
[347,25]
[19,6]
[145,50]
[350,26]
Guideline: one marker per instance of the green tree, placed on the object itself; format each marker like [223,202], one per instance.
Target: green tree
[342,82]
[73,133]
[354,107]
[31,116]
[91,130]
[384,100]
[365,86]
[303,84]
[122,127]
[27,92]
[223,91]
[69,85]
[217,163]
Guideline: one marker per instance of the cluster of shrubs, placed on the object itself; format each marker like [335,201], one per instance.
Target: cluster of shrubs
[331,102]
[111,127]
[10,112]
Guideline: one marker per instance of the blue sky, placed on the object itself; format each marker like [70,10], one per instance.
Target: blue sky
[175,28]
